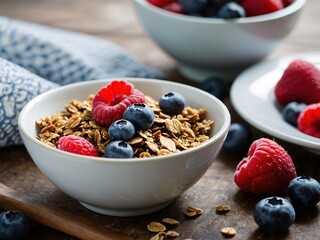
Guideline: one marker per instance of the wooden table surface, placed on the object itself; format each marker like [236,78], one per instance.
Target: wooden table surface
[115,20]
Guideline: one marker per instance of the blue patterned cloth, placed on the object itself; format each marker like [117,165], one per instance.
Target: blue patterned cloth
[36,58]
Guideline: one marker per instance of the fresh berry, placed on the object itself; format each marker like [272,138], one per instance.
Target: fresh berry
[274,214]
[78,145]
[231,10]
[140,115]
[309,120]
[286,3]
[172,103]
[14,226]
[238,139]
[300,82]
[215,86]
[304,191]
[219,3]
[118,149]
[174,7]
[255,7]
[121,130]
[112,100]
[194,6]
[268,168]
[291,111]
[160,3]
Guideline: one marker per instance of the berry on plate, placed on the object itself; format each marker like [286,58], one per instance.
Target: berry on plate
[274,214]
[14,226]
[121,130]
[291,111]
[118,149]
[300,82]
[260,7]
[268,168]
[112,100]
[304,191]
[172,103]
[140,115]
[309,120]
[238,139]
[78,145]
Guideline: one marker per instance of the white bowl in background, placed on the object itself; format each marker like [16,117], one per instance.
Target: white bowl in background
[206,47]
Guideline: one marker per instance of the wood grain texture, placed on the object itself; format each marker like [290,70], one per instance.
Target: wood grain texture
[115,20]
[54,217]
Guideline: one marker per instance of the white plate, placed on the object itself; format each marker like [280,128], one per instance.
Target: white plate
[252,95]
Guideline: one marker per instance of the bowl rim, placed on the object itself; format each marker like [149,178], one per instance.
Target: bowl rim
[74,156]
[293,7]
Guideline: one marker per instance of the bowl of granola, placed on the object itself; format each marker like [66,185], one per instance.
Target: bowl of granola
[168,154]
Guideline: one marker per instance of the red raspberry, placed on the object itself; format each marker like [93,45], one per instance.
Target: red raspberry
[78,145]
[174,7]
[260,7]
[267,169]
[286,3]
[112,100]
[309,120]
[161,3]
[300,82]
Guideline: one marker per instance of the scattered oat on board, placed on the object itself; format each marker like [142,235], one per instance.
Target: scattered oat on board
[228,231]
[170,221]
[156,227]
[222,209]
[172,234]
[169,134]
[193,211]
[159,236]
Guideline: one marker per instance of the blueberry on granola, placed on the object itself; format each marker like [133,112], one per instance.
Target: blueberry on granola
[121,130]
[118,149]
[140,115]
[172,103]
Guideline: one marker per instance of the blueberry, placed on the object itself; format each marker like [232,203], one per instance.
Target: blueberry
[121,130]
[274,214]
[118,149]
[219,3]
[14,226]
[304,191]
[238,139]
[215,86]
[192,7]
[172,103]
[291,111]
[140,115]
[231,10]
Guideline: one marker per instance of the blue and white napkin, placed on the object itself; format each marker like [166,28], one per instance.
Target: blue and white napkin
[35,58]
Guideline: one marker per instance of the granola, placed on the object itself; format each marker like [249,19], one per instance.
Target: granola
[169,134]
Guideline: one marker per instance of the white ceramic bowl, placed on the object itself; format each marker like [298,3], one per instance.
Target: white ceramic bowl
[123,187]
[207,47]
